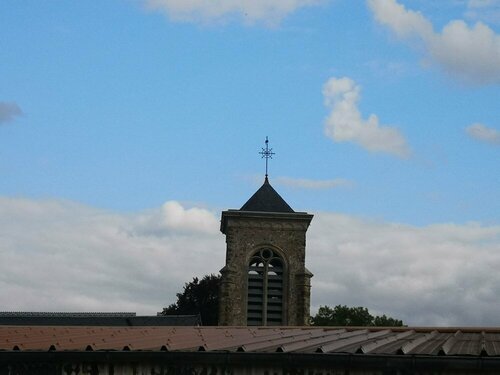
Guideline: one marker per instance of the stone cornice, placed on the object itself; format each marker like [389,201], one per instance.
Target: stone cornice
[265,220]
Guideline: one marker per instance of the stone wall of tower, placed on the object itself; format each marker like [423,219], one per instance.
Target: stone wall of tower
[247,232]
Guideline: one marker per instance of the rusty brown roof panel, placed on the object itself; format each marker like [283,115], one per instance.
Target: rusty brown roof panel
[148,342]
[240,337]
[261,337]
[217,338]
[319,339]
[303,339]
[271,345]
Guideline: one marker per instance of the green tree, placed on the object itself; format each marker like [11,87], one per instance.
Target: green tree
[351,316]
[198,297]
[387,321]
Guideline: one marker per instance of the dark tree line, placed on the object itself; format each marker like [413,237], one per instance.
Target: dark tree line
[202,297]
[198,297]
[351,316]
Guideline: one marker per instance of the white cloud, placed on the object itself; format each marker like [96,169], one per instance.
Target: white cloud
[59,255]
[303,183]
[436,275]
[207,10]
[172,216]
[345,123]
[484,133]
[8,111]
[404,23]
[471,53]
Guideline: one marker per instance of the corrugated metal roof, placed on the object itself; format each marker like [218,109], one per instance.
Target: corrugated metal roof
[327,340]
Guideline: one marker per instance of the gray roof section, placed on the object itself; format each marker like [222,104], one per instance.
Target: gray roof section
[266,199]
[11,314]
[94,319]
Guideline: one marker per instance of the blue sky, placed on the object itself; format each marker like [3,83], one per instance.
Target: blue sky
[382,110]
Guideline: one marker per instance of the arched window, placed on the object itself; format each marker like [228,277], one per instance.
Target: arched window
[265,288]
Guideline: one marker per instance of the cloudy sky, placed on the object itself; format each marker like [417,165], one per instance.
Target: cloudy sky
[126,126]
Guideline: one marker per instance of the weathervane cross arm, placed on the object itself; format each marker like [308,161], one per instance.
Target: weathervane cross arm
[267,153]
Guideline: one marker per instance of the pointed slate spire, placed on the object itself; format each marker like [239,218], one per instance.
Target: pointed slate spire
[266,199]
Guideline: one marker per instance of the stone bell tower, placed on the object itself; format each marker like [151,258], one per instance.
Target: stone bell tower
[265,281]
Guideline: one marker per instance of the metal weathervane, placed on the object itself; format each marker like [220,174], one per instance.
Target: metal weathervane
[267,153]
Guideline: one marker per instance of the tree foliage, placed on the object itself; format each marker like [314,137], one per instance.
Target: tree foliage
[198,297]
[351,316]
[386,321]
